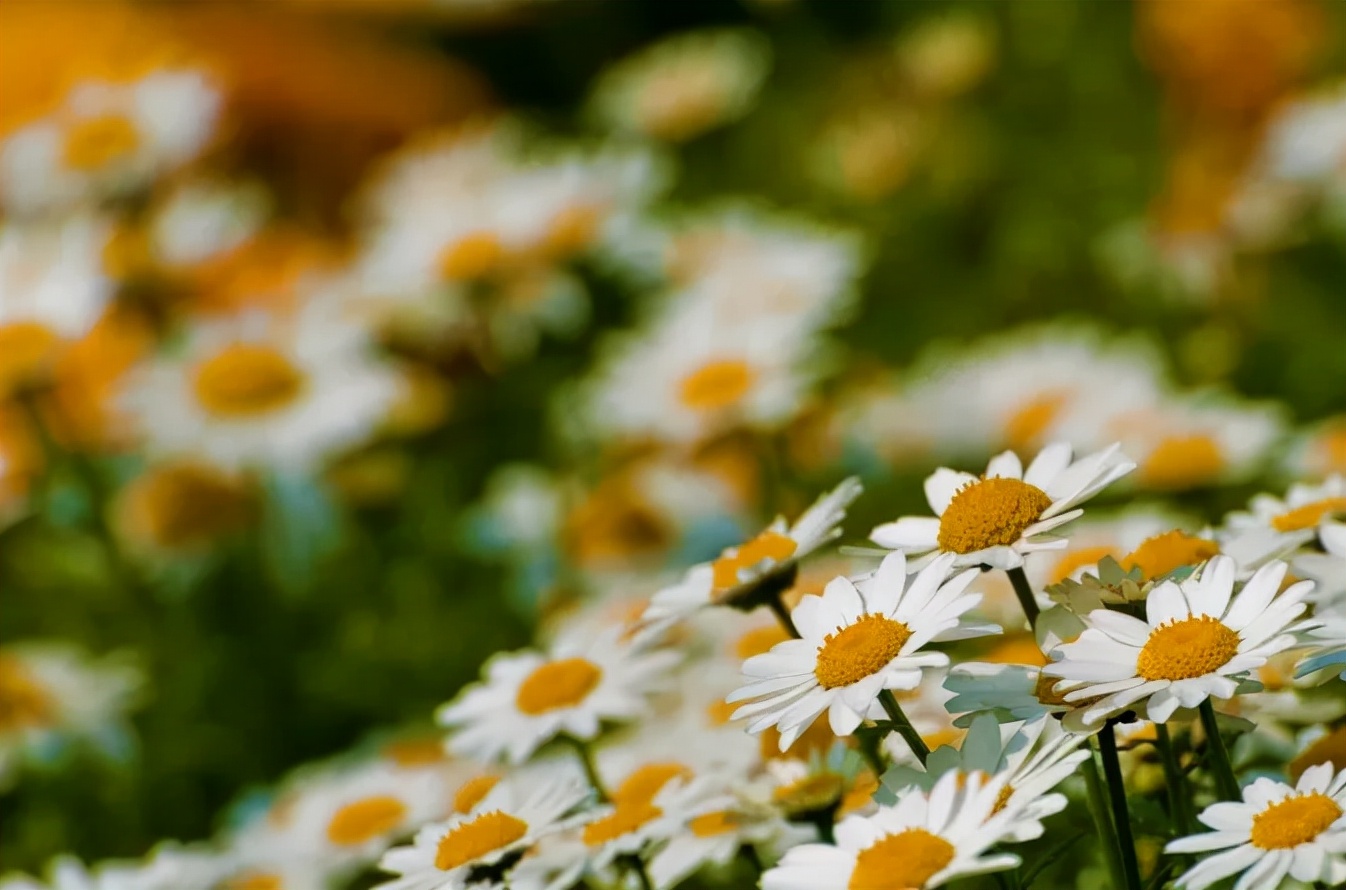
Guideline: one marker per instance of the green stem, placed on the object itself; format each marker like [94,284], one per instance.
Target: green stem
[1218,755]
[1098,809]
[1179,802]
[782,614]
[637,865]
[871,749]
[1121,816]
[590,770]
[903,725]
[1024,591]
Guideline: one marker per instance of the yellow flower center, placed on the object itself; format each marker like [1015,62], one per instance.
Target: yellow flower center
[472,791]
[571,231]
[990,513]
[1180,462]
[24,702]
[1309,515]
[476,838]
[557,684]
[245,380]
[768,545]
[720,713]
[713,824]
[184,506]
[644,783]
[1044,691]
[1293,821]
[901,861]
[1016,649]
[1026,426]
[254,881]
[716,385]
[25,347]
[1331,448]
[859,650]
[1187,648]
[814,792]
[95,142]
[1161,554]
[625,819]
[471,257]
[1072,562]
[415,752]
[759,640]
[1003,798]
[678,104]
[859,795]
[1331,748]
[364,820]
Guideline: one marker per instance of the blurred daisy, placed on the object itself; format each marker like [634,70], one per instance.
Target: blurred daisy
[467,849]
[1036,756]
[1328,646]
[108,138]
[1006,513]
[1276,831]
[201,220]
[53,289]
[1198,641]
[768,563]
[683,86]
[1297,518]
[258,390]
[179,508]
[528,698]
[714,833]
[924,840]
[52,694]
[1318,451]
[1327,569]
[651,805]
[1306,139]
[857,640]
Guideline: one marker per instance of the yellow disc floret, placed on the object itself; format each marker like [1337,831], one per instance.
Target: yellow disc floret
[716,385]
[1293,821]
[246,380]
[1187,648]
[1181,462]
[476,838]
[1161,554]
[768,545]
[990,513]
[557,684]
[97,142]
[366,819]
[1309,515]
[472,791]
[901,861]
[859,650]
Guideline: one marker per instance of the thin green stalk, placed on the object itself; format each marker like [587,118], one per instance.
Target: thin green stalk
[1024,591]
[590,769]
[1098,809]
[1179,801]
[1226,784]
[871,750]
[637,865]
[900,723]
[1121,816]
[783,615]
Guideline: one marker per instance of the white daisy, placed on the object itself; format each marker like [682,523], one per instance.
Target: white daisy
[1328,642]
[924,840]
[714,833]
[1290,522]
[202,220]
[1318,451]
[1198,641]
[1036,756]
[857,640]
[529,697]
[467,848]
[1006,513]
[107,138]
[651,805]
[52,693]
[1326,569]
[1276,831]
[684,85]
[769,560]
[264,390]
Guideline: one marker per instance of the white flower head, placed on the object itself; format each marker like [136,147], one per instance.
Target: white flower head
[1198,641]
[530,697]
[511,818]
[997,518]
[1276,831]
[923,841]
[857,640]
[772,555]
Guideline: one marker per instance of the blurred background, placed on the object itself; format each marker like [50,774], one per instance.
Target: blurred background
[342,342]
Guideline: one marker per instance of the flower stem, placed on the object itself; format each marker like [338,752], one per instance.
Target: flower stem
[1024,591]
[900,723]
[637,865]
[1121,817]
[1218,755]
[871,750]
[586,758]
[782,614]
[1179,801]
[1098,809]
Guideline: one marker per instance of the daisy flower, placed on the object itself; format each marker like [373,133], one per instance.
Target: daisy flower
[1036,756]
[857,640]
[1326,569]
[768,563]
[1328,642]
[202,220]
[263,390]
[108,138]
[1198,640]
[1294,520]
[469,848]
[530,697]
[683,86]
[1276,831]
[1319,451]
[51,693]
[1006,513]
[185,507]
[714,833]
[923,841]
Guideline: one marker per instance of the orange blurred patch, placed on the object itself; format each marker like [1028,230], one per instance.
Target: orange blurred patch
[88,375]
